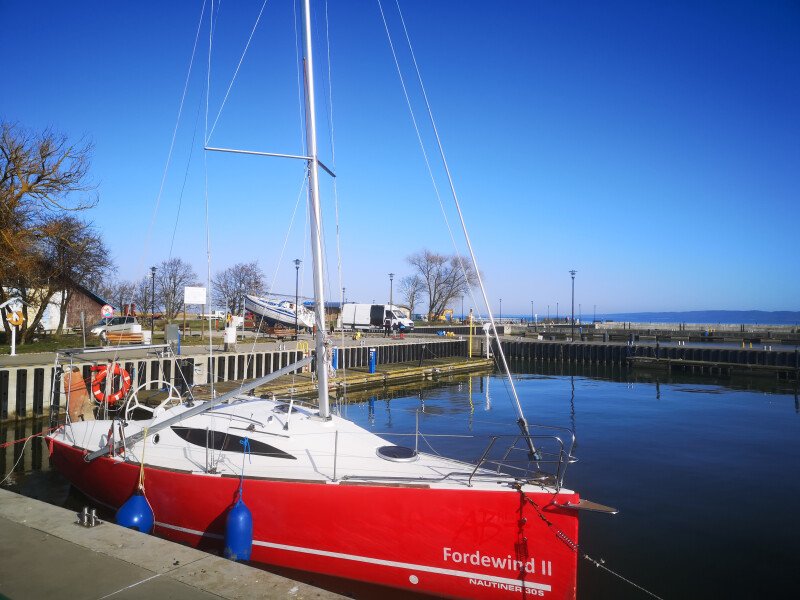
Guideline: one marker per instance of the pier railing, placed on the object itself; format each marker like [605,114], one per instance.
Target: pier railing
[546,468]
[507,455]
[27,390]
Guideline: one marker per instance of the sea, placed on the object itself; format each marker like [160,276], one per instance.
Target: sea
[701,317]
[704,471]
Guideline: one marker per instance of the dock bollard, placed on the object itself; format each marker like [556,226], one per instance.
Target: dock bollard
[373,360]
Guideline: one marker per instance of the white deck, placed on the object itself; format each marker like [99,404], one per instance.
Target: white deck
[325,451]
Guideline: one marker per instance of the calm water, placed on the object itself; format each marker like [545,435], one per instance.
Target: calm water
[706,477]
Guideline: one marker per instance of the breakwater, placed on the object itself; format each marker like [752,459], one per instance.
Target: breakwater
[781,364]
[635,332]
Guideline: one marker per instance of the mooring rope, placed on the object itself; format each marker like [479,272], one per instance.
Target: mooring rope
[25,439]
[21,454]
[574,546]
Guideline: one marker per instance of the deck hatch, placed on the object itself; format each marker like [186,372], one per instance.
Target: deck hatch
[397,453]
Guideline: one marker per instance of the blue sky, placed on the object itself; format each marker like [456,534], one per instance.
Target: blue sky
[654,147]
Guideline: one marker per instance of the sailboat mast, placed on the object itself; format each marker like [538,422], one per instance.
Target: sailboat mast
[314,211]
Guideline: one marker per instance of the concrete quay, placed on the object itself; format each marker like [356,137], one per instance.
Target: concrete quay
[46,555]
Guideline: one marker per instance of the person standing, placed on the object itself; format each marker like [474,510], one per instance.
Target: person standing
[387,327]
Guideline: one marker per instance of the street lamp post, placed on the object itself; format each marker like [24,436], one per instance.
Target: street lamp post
[572,272]
[462,308]
[391,280]
[501,310]
[152,301]
[556,312]
[548,312]
[531,311]
[344,296]
[296,295]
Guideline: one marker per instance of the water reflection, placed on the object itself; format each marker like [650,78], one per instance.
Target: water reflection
[25,463]
[617,373]
[646,440]
[572,409]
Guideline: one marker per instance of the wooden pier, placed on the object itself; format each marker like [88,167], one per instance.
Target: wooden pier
[304,384]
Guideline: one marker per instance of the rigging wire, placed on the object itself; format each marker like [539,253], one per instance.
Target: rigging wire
[331,138]
[205,196]
[235,73]
[303,182]
[422,146]
[149,233]
[185,177]
[575,546]
[279,262]
[298,72]
[177,122]
[321,225]
[522,421]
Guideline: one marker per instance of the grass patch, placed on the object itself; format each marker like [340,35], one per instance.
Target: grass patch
[51,343]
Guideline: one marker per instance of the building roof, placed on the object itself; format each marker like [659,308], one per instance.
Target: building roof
[89,293]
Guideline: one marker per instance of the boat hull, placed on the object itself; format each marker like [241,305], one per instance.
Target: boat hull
[458,543]
[274,314]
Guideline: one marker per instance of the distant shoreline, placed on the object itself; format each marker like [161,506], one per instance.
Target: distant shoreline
[726,317]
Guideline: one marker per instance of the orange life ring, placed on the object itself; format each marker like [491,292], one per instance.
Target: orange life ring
[100,377]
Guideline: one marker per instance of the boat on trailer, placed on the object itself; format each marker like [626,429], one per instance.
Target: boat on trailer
[278,312]
[326,495]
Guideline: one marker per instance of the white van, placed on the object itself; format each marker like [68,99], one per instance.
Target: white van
[373,316]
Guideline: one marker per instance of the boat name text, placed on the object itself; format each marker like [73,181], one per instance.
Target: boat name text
[507,562]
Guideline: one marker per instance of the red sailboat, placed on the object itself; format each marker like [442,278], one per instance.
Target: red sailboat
[327,496]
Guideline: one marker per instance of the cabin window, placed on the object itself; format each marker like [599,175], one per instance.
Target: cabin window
[227,442]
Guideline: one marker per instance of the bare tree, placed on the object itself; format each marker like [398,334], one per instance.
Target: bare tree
[142,294]
[69,253]
[171,277]
[411,289]
[230,285]
[42,176]
[445,278]
[119,292]
[77,255]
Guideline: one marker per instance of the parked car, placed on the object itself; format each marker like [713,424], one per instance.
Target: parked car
[115,325]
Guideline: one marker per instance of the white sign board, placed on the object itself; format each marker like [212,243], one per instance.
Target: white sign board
[107,311]
[194,295]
